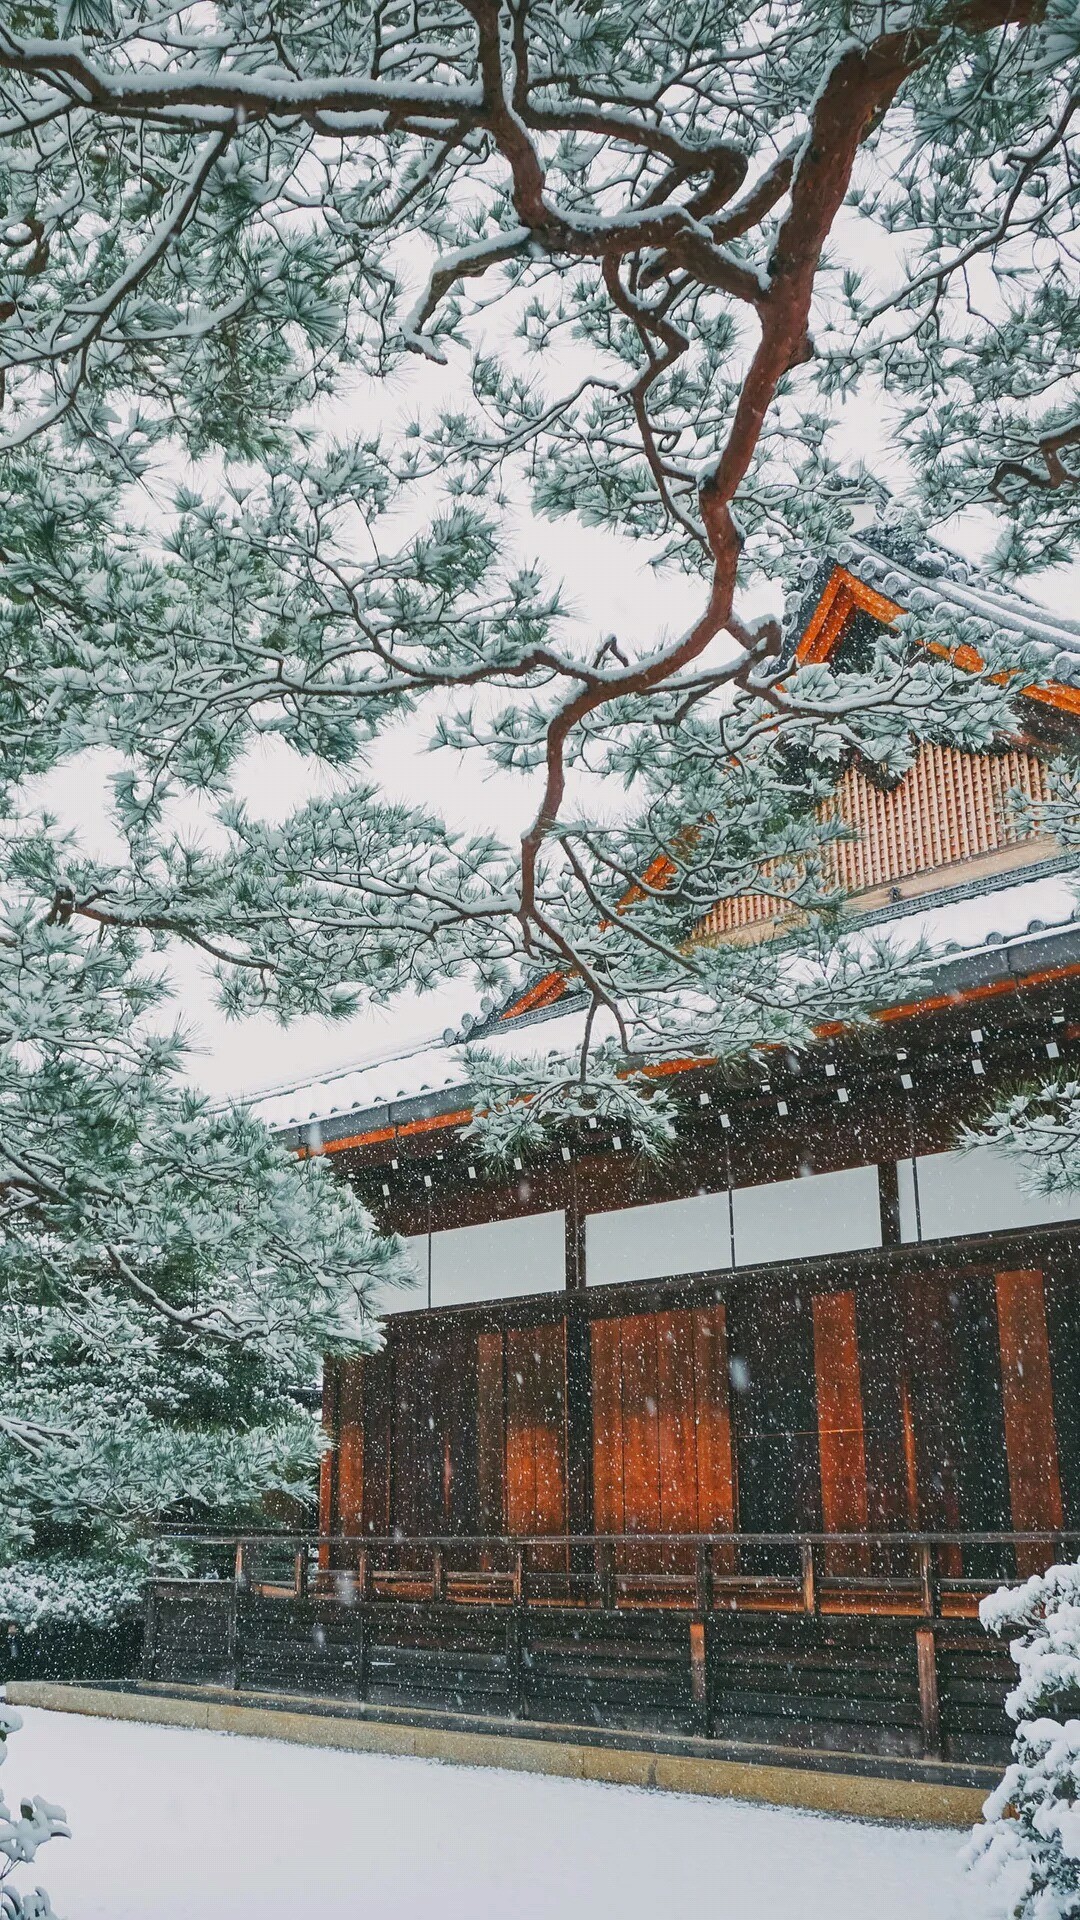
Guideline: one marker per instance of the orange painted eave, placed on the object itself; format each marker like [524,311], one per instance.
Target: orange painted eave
[843,595]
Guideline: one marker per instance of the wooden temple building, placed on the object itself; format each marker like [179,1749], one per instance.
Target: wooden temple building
[726,1449]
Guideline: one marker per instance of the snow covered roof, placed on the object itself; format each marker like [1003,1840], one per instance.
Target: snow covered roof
[987,929]
[1016,930]
[929,580]
[381,1081]
[407,1086]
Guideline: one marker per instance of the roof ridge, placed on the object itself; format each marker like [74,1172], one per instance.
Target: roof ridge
[384,1058]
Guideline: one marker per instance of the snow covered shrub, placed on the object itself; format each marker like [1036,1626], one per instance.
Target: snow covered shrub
[21,1837]
[1030,1844]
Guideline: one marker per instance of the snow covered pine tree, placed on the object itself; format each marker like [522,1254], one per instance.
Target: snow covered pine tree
[654,251]
[1029,1849]
[21,1837]
[170,1280]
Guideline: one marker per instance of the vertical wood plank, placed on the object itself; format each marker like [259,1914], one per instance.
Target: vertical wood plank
[888,1434]
[579,1424]
[521,1416]
[641,1426]
[931,1371]
[929,1701]
[841,1447]
[717,1488]
[776,1414]
[328,1463]
[378,1385]
[677,1439]
[459,1394]
[549,1353]
[606,1346]
[350,1424]
[699,1676]
[536,1429]
[1027,1392]
[491,1432]
[404,1413]
[1063,1327]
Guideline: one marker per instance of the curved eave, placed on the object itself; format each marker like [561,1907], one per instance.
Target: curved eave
[1027,963]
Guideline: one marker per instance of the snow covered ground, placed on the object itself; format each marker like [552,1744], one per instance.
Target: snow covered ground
[170,1823]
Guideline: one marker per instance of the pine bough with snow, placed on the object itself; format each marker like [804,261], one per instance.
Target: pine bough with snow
[656,251]
[20,1837]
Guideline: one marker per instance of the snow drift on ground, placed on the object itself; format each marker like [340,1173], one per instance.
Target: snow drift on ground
[169,1823]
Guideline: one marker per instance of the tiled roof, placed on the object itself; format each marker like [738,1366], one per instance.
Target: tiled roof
[1020,928]
[944,590]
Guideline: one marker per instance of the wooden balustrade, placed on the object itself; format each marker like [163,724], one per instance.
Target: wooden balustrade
[751,1637]
[899,1572]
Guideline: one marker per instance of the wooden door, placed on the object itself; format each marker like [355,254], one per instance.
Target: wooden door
[521,1430]
[776,1422]
[663,1460]
[951,1411]
[433,1415]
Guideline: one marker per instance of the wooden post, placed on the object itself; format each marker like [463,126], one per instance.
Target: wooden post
[928,1580]
[148,1662]
[361,1653]
[809,1577]
[234,1655]
[609,1599]
[515,1662]
[300,1573]
[438,1574]
[929,1702]
[699,1675]
[579,1432]
[363,1575]
[241,1585]
[889,1202]
[520,1576]
[704,1578]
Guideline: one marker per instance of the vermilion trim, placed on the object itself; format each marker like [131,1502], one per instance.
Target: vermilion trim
[435,1120]
[542,994]
[845,593]
[545,992]
[987,992]
[662,1067]
[352,1140]
[386,1133]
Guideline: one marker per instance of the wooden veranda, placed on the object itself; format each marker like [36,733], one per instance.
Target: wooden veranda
[860,1644]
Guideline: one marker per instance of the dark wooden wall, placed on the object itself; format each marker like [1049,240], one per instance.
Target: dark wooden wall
[895,1399]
